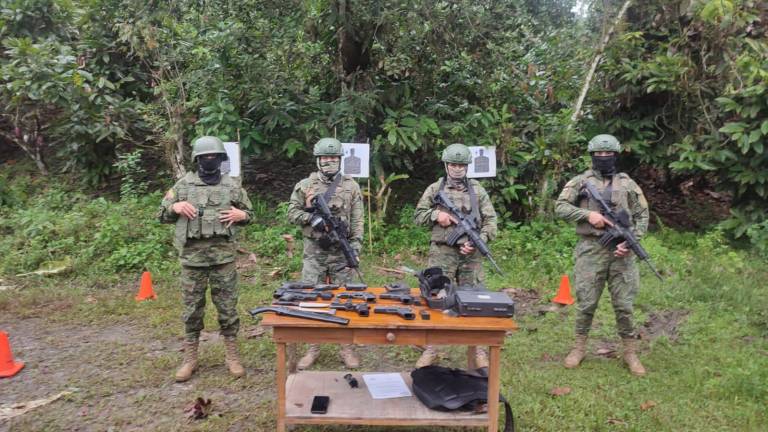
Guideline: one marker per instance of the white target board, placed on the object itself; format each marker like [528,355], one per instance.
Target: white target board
[355,160]
[232,165]
[483,162]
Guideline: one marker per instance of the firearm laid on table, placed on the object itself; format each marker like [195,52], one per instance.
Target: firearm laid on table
[621,231]
[465,225]
[337,231]
[317,316]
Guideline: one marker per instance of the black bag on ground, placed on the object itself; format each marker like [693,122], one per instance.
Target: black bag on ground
[444,389]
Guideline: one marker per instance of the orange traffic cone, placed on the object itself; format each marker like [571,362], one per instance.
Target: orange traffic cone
[8,367]
[564,293]
[145,288]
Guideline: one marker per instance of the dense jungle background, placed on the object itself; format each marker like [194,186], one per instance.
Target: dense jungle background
[100,100]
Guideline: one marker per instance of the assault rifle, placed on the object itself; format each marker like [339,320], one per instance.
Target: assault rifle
[621,230]
[317,316]
[336,230]
[464,226]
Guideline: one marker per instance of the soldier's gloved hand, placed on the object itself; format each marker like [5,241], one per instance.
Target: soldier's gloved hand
[233,215]
[445,219]
[467,248]
[185,209]
[622,250]
[597,220]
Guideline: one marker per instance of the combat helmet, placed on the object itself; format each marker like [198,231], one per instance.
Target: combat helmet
[327,147]
[207,145]
[458,154]
[604,142]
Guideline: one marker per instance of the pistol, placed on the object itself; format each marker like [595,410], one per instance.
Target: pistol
[362,309]
[368,297]
[403,312]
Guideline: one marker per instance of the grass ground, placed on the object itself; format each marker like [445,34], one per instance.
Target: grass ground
[705,327]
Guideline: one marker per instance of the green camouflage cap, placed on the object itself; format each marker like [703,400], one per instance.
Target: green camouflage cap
[458,154]
[604,142]
[327,147]
[207,145]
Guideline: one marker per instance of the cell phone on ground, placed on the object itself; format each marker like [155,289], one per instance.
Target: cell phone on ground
[320,404]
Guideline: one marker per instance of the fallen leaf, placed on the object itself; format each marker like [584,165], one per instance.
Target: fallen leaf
[615,421]
[274,274]
[17,409]
[91,299]
[547,357]
[199,409]
[560,391]
[50,268]
[252,258]
[604,351]
[255,332]
[647,405]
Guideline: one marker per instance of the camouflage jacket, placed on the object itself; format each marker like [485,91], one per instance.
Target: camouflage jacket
[204,241]
[573,204]
[346,204]
[426,213]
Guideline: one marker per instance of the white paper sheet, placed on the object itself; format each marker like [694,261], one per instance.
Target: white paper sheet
[386,386]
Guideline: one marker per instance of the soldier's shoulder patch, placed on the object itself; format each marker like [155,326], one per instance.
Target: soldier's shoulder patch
[170,194]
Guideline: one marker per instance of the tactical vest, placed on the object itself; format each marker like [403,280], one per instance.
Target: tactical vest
[463,202]
[209,201]
[340,203]
[618,198]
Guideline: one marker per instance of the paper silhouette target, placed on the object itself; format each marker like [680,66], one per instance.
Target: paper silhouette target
[232,165]
[483,162]
[355,161]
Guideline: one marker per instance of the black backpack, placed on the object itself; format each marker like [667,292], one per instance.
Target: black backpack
[444,389]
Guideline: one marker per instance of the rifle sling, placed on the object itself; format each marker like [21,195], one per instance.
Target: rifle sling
[472,199]
[332,188]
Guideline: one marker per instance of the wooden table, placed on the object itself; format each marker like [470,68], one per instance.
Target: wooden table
[295,390]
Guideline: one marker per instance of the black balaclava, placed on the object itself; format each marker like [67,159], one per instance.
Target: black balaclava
[606,165]
[209,168]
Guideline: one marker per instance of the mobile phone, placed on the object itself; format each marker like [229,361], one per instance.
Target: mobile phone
[320,404]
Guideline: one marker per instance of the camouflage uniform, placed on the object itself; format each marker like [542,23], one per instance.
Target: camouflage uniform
[596,265]
[465,269]
[347,204]
[207,249]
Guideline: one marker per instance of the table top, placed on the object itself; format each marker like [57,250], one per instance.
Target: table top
[437,321]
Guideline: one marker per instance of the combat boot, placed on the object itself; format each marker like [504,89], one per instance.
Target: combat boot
[190,361]
[481,358]
[231,357]
[348,356]
[313,352]
[427,357]
[576,355]
[630,357]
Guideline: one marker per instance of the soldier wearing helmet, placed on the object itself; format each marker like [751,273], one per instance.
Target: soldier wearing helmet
[207,208]
[323,261]
[462,263]
[595,265]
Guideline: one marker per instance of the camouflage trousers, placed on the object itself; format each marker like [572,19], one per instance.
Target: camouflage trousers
[223,281]
[596,266]
[319,264]
[464,269]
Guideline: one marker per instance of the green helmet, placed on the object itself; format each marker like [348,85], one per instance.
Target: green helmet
[207,145]
[327,147]
[458,154]
[604,142]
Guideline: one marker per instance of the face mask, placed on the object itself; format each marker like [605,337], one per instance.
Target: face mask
[456,172]
[605,164]
[209,169]
[329,168]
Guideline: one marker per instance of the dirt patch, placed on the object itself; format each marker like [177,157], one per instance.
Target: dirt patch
[526,300]
[663,323]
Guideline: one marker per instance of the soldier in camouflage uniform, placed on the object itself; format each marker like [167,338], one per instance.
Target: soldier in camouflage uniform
[463,263]
[207,208]
[324,261]
[595,265]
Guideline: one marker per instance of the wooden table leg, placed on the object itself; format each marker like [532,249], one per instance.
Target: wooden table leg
[471,357]
[291,351]
[494,383]
[281,378]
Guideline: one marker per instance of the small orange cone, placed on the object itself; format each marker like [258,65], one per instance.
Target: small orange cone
[145,288]
[564,293]
[8,367]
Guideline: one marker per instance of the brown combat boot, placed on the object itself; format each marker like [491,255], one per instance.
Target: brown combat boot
[481,358]
[313,352]
[576,355]
[190,361]
[231,357]
[427,357]
[630,357]
[348,356]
